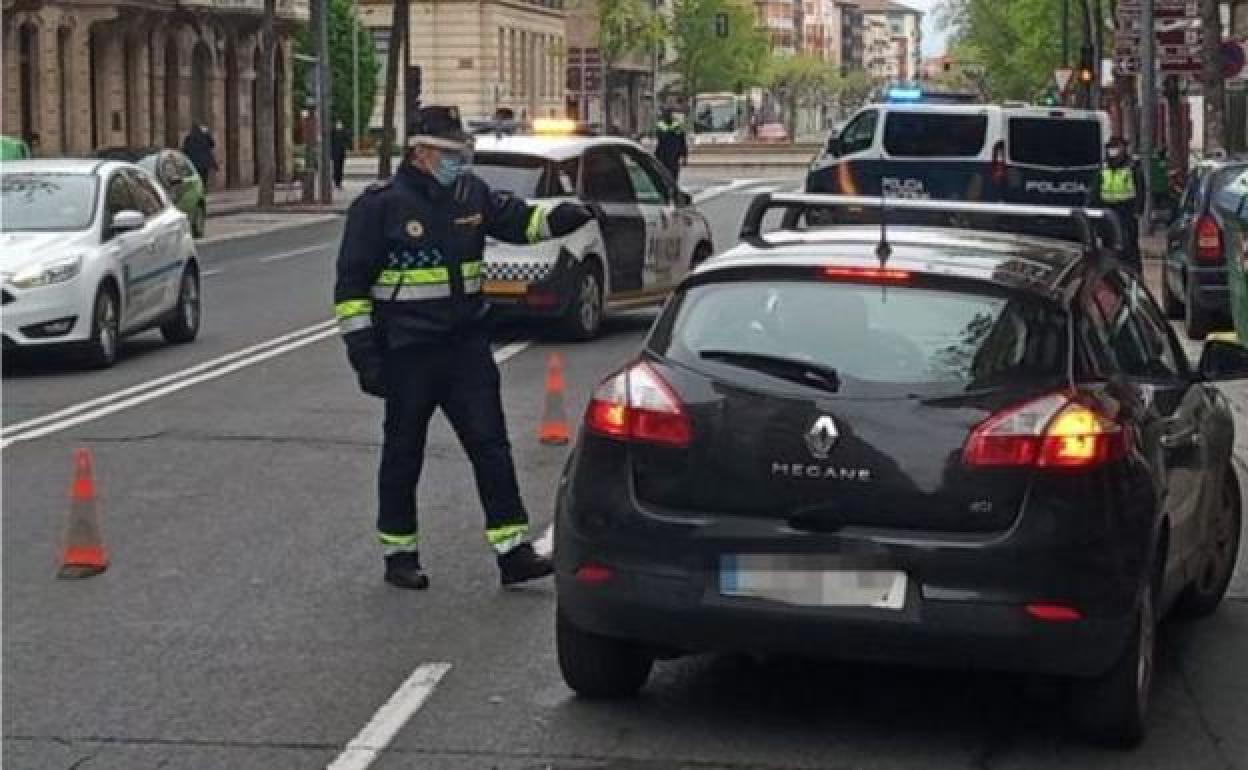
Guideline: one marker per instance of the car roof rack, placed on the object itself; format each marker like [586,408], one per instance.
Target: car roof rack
[1012,218]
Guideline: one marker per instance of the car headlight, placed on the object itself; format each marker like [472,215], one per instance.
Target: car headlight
[47,273]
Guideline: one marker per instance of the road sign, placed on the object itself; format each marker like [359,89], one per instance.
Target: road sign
[1174,65]
[1062,75]
[1232,56]
[1126,65]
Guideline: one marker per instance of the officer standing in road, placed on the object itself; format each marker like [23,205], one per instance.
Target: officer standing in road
[670,146]
[1120,188]
[408,300]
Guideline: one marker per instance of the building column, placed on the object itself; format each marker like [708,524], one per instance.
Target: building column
[140,88]
[184,83]
[78,81]
[49,118]
[284,117]
[156,84]
[245,61]
[12,124]
[110,100]
[216,110]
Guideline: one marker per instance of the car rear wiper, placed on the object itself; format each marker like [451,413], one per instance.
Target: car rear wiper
[793,369]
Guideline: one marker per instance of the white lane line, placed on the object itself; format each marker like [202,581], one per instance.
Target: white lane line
[511,350]
[723,189]
[209,273]
[390,718]
[179,384]
[62,414]
[298,252]
[545,545]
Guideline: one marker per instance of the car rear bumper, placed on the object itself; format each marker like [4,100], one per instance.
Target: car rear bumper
[1208,288]
[547,292]
[27,314]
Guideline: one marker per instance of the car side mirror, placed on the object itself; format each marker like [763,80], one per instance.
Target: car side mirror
[1223,360]
[127,220]
[683,198]
[834,146]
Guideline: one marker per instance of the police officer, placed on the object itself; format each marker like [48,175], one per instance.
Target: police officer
[670,146]
[408,300]
[1120,188]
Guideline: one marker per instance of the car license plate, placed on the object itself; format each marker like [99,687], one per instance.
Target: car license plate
[506,288]
[798,579]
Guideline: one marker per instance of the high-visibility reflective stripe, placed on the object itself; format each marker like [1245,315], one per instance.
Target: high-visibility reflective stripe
[353,307]
[472,269]
[419,275]
[537,229]
[388,539]
[409,293]
[503,539]
[1117,185]
[355,323]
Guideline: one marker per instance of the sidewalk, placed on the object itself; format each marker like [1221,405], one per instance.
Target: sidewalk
[287,197]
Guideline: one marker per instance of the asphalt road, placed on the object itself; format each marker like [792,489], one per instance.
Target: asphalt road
[243,623]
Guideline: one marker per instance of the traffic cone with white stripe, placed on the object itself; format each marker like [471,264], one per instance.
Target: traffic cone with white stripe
[84,554]
[554,426]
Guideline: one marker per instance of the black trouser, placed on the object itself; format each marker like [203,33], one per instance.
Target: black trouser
[340,163]
[1130,234]
[673,166]
[459,376]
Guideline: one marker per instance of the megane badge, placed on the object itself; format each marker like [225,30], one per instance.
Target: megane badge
[822,437]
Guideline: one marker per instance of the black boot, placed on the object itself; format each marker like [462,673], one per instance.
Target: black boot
[403,570]
[522,564]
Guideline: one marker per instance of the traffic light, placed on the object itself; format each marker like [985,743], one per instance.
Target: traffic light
[1049,99]
[1087,67]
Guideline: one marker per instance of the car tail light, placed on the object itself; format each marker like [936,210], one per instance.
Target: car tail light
[1050,432]
[593,574]
[998,163]
[1208,240]
[637,405]
[867,274]
[1053,613]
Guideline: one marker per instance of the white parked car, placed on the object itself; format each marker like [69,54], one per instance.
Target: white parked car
[92,251]
[647,236]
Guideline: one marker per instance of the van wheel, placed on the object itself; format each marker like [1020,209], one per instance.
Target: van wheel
[183,325]
[1218,553]
[583,319]
[597,667]
[100,352]
[1113,707]
[1170,303]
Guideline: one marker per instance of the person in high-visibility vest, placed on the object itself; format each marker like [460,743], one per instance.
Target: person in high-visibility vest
[1119,187]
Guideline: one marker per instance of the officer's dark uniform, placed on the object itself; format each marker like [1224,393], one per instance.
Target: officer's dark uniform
[408,300]
[1119,187]
[670,144]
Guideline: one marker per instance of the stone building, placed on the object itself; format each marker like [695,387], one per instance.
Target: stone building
[478,55]
[85,75]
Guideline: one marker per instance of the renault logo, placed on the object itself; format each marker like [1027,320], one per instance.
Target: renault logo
[822,437]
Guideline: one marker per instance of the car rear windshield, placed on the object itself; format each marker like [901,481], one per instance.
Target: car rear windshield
[934,135]
[521,175]
[1054,142]
[1229,189]
[880,340]
[46,202]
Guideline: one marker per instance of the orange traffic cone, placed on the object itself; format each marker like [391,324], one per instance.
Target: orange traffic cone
[554,427]
[84,554]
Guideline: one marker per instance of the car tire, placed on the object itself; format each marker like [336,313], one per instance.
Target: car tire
[199,221]
[1198,322]
[700,255]
[598,667]
[1170,302]
[582,320]
[1220,552]
[183,324]
[100,352]
[1112,709]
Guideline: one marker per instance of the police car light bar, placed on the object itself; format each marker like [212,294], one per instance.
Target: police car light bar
[794,205]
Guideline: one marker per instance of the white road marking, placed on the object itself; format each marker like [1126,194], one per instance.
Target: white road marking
[511,350]
[208,273]
[723,189]
[545,545]
[362,751]
[298,252]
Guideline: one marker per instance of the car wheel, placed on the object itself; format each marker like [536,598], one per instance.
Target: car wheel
[100,352]
[199,221]
[1112,708]
[183,325]
[598,667]
[1197,320]
[583,318]
[1218,553]
[1170,302]
[700,255]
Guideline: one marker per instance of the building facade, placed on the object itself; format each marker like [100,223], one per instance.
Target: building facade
[779,19]
[893,39]
[478,55]
[629,85]
[84,75]
[852,37]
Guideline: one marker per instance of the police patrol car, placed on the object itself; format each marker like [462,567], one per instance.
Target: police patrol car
[647,236]
[955,151]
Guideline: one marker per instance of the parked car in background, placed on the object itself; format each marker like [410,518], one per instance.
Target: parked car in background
[13,149]
[176,174]
[1198,249]
[1237,252]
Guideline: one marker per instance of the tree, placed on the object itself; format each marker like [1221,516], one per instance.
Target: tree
[266,139]
[625,27]
[342,21]
[1014,40]
[855,90]
[801,81]
[397,54]
[707,61]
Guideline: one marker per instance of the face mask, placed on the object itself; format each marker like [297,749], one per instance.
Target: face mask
[1115,154]
[448,170]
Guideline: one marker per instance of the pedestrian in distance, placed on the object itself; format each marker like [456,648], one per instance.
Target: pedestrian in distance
[33,143]
[339,143]
[1119,187]
[409,304]
[200,147]
[671,148]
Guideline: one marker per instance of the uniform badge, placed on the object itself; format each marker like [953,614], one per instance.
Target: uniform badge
[414,228]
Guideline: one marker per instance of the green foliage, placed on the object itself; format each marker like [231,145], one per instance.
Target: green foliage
[805,79]
[1017,42]
[626,27]
[707,62]
[856,89]
[340,56]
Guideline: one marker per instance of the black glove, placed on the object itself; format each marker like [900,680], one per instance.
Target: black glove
[566,218]
[366,361]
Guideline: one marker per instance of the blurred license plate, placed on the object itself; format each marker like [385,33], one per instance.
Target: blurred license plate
[506,288]
[799,580]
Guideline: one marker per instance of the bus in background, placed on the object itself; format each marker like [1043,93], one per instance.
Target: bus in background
[719,118]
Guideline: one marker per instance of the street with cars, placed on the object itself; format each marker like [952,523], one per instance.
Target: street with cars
[887,462]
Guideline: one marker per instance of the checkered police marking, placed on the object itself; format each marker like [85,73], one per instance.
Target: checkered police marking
[516,270]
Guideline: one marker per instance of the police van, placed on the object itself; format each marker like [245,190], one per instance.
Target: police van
[980,152]
[645,238]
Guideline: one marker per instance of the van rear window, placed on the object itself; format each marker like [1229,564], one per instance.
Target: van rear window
[1054,142]
[934,135]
